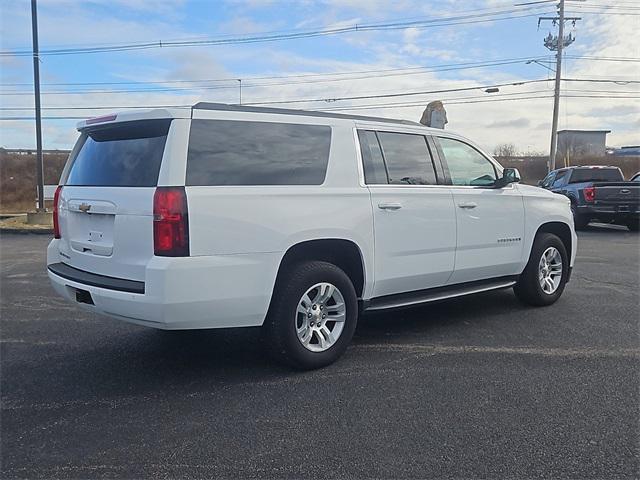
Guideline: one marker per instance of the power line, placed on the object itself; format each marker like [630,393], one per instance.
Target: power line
[303,75]
[604,59]
[207,88]
[497,6]
[380,74]
[420,24]
[409,70]
[383,106]
[391,95]
[481,99]
[594,6]
[601,80]
[188,106]
[361,97]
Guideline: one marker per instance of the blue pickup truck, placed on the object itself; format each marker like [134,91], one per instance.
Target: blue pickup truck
[597,193]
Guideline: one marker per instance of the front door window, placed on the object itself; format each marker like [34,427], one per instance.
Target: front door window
[466,165]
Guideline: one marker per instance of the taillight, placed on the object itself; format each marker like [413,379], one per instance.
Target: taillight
[56,208]
[170,222]
[589,194]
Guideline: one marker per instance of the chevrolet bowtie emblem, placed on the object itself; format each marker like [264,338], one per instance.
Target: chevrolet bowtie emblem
[84,207]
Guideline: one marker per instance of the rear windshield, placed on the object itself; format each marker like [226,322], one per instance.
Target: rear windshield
[225,152]
[595,175]
[126,154]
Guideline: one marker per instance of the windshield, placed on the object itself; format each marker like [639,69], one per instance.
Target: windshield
[580,175]
[126,154]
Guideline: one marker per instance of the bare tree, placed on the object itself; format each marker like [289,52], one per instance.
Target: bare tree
[505,150]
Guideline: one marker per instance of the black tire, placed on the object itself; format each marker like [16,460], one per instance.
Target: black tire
[528,288]
[280,337]
[579,221]
[634,225]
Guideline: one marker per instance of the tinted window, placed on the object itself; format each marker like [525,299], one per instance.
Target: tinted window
[127,154]
[407,158]
[548,180]
[595,175]
[373,163]
[257,153]
[559,180]
[466,165]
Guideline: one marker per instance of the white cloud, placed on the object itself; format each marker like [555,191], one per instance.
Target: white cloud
[525,123]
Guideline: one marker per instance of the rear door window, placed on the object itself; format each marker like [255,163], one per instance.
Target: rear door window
[225,152]
[407,158]
[372,161]
[127,154]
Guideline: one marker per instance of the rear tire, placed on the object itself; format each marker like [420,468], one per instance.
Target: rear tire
[295,331]
[634,225]
[541,283]
[579,221]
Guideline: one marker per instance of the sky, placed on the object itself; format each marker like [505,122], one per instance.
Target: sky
[429,46]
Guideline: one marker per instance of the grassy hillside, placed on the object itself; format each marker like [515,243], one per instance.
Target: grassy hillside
[18,178]
[18,173]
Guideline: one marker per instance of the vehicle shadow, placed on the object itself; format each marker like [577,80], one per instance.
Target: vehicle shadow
[139,361]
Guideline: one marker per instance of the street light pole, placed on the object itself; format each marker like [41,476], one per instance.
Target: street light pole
[36,84]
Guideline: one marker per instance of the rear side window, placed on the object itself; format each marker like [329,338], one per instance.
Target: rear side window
[126,154]
[372,161]
[548,180]
[407,158]
[595,175]
[559,180]
[225,152]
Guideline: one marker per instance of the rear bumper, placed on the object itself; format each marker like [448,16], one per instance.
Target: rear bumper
[178,293]
[610,211]
[94,280]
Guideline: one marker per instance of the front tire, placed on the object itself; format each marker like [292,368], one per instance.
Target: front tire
[634,225]
[545,276]
[312,317]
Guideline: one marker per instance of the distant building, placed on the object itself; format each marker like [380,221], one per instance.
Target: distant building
[576,144]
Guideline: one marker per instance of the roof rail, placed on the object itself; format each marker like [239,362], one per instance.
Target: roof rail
[288,111]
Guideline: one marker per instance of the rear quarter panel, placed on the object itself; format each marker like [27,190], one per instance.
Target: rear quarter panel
[241,220]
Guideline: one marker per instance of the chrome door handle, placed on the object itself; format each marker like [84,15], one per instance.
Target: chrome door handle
[390,206]
[468,205]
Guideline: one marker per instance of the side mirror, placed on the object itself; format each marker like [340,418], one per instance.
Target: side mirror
[509,176]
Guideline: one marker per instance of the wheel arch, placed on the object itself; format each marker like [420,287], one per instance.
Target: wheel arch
[562,231]
[345,254]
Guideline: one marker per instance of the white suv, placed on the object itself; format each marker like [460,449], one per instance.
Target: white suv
[298,221]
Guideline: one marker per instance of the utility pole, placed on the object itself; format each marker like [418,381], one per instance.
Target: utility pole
[556,92]
[36,84]
[557,44]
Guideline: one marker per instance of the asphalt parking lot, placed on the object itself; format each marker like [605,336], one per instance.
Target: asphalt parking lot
[481,387]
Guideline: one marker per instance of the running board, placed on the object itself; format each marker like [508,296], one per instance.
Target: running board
[435,294]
